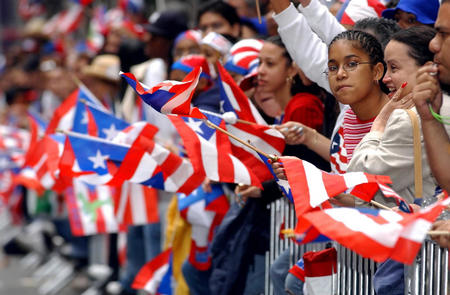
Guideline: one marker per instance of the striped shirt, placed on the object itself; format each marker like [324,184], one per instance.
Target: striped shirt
[354,131]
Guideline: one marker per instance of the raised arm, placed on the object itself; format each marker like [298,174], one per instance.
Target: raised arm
[304,46]
[321,21]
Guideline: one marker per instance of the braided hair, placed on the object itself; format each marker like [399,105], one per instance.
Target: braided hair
[369,44]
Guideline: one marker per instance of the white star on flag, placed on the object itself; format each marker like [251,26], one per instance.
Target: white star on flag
[195,125]
[99,160]
[111,132]
[84,120]
[285,184]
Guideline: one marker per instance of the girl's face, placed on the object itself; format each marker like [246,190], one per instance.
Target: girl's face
[185,47]
[400,68]
[274,68]
[211,55]
[214,22]
[353,84]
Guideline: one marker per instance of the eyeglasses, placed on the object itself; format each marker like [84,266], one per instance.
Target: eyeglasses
[348,67]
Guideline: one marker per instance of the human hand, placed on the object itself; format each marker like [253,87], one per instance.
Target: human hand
[304,3]
[427,91]
[442,240]
[243,192]
[279,170]
[294,133]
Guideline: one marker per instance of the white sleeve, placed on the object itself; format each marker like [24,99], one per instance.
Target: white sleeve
[156,72]
[305,47]
[321,21]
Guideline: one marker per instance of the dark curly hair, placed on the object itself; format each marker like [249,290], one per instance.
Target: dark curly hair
[381,28]
[369,44]
[417,39]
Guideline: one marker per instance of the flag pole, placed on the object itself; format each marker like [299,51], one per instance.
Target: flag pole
[438,233]
[379,205]
[290,233]
[212,125]
[224,118]
[258,11]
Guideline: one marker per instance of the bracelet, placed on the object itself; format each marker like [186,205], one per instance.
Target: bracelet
[440,118]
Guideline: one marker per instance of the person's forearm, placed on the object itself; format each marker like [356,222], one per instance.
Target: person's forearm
[437,145]
[279,5]
[321,21]
[380,122]
[320,145]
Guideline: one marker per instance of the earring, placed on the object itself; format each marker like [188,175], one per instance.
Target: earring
[289,80]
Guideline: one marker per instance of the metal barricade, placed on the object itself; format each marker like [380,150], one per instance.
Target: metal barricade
[428,275]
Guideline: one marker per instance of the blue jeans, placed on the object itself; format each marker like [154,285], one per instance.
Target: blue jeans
[389,279]
[143,243]
[293,285]
[197,280]
[255,282]
[278,272]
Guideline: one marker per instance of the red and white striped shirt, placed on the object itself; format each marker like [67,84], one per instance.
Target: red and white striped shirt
[346,138]
[354,131]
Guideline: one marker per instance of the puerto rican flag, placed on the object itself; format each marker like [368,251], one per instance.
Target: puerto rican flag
[66,21]
[210,151]
[320,270]
[40,170]
[156,275]
[91,209]
[83,2]
[265,138]
[169,97]
[98,161]
[203,220]
[298,270]
[233,99]
[136,204]
[311,186]
[14,142]
[64,115]
[30,8]
[89,119]
[376,234]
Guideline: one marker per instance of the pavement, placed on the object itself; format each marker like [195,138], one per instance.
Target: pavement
[15,280]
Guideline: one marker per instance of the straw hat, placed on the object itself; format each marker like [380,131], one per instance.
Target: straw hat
[106,67]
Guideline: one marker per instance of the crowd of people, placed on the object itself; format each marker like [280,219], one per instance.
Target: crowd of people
[340,81]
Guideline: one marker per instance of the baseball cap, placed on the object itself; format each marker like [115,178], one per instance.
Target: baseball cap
[425,11]
[167,24]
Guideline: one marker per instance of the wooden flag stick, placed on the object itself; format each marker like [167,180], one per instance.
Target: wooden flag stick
[258,11]
[223,116]
[212,125]
[439,233]
[76,80]
[290,233]
[379,205]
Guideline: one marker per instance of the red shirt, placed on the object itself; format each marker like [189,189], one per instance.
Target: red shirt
[305,108]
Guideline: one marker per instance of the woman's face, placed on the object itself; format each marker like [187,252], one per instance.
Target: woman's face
[400,68]
[355,84]
[274,68]
[185,47]
[214,22]
[267,103]
[405,19]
